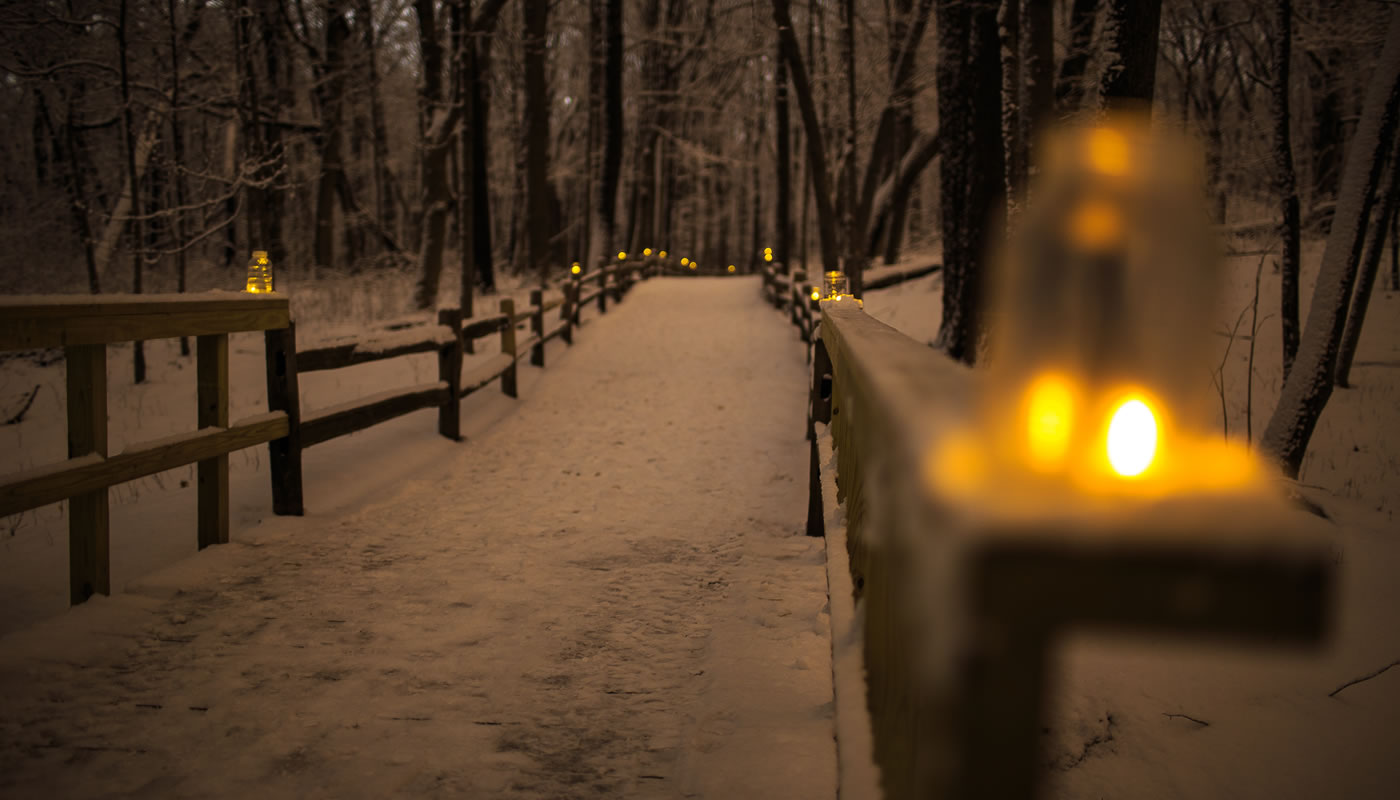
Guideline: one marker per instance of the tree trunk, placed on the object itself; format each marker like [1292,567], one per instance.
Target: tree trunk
[969,110]
[1135,51]
[1309,383]
[783,224]
[480,68]
[538,223]
[612,128]
[463,53]
[1069,87]
[1013,146]
[440,119]
[133,185]
[330,99]
[1285,183]
[1370,265]
[816,148]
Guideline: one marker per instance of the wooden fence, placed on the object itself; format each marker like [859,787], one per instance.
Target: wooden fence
[83,327]
[962,609]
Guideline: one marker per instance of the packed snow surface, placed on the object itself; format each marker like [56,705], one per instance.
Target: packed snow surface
[605,593]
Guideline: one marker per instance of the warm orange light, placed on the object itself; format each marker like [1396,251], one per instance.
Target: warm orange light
[621,255]
[956,465]
[1108,152]
[731,267]
[662,254]
[1049,420]
[1096,225]
[767,256]
[576,269]
[646,251]
[684,261]
[767,250]
[816,294]
[1132,438]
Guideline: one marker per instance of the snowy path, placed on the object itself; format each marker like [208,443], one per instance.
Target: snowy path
[606,594]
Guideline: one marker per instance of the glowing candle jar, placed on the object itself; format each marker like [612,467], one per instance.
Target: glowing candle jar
[259,274]
[835,284]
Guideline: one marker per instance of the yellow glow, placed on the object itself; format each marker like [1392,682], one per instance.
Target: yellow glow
[1132,438]
[731,267]
[1095,225]
[1222,465]
[956,465]
[767,250]
[692,265]
[1049,420]
[576,269]
[1108,152]
[621,256]
[259,274]
[767,256]
[816,294]
[662,254]
[646,251]
[684,261]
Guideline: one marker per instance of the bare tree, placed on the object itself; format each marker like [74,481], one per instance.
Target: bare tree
[1309,383]
[1370,265]
[1286,182]
[969,112]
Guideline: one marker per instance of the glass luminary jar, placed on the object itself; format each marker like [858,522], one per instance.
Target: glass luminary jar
[836,284]
[259,273]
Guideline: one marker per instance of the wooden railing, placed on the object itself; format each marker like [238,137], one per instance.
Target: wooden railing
[84,329]
[452,337]
[962,608]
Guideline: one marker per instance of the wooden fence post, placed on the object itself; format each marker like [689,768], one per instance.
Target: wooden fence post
[537,327]
[89,562]
[508,347]
[212,370]
[578,298]
[603,290]
[450,372]
[284,394]
[797,279]
[567,312]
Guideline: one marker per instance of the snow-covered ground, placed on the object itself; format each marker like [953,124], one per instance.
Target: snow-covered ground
[1173,719]
[603,592]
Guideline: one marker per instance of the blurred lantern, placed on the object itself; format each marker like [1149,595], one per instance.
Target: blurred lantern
[767,256]
[259,273]
[646,251]
[662,254]
[684,261]
[816,293]
[576,268]
[731,267]
[768,251]
[621,255]
[1101,314]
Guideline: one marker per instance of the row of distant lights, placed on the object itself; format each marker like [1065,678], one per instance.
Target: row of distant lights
[685,262]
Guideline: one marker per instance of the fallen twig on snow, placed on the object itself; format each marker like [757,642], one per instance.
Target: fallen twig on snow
[24,409]
[1364,678]
[1200,722]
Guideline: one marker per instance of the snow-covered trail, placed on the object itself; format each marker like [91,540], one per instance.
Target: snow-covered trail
[606,594]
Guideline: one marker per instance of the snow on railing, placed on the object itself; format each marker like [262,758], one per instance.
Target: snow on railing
[954,604]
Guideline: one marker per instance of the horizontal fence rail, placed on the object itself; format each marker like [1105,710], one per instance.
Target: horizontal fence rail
[962,608]
[83,328]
